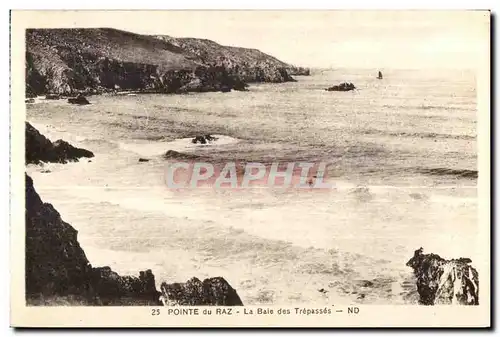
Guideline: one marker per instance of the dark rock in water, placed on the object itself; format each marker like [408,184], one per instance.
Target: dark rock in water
[40,149]
[143,160]
[29,100]
[203,139]
[212,291]
[80,100]
[342,87]
[109,286]
[441,281]
[171,154]
[51,96]
[56,265]
[323,291]
[85,60]
[225,89]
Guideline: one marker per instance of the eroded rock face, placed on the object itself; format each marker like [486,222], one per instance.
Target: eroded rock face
[342,87]
[59,273]
[212,291]
[441,281]
[40,149]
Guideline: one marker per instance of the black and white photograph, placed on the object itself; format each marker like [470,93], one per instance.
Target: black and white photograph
[254,163]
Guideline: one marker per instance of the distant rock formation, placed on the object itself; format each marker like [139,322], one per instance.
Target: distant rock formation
[342,87]
[212,291]
[40,149]
[441,281]
[97,60]
[143,160]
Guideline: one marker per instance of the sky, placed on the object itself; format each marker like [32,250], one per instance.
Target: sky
[363,39]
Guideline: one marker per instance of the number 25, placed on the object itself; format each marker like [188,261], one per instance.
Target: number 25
[155,312]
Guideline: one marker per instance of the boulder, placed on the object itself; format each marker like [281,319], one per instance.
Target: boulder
[441,281]
[52,96]
[29,100]
[212,291]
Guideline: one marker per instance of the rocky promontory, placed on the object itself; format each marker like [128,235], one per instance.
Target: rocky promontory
[59,273]
[98,60]
[40,149]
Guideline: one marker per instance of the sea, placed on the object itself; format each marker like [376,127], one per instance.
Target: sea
[403,161]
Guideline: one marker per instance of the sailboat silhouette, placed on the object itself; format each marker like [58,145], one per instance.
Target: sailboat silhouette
[380,75]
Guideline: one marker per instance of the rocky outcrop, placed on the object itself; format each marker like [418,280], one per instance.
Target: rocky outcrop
[57,267]
[171,154]
[80,100]
[40,149]
[90,61]
[212,291]
[203,139]
[342,87]
[441,281]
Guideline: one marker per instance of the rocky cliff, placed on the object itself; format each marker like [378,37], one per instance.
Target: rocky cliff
[66,61]
[58,272]
[441,281]
[40,149]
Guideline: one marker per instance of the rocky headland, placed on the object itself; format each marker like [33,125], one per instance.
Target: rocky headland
[58,271]
[99,60]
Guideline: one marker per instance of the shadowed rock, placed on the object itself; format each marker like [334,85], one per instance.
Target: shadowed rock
[58,272]
[40,149]
[342,87]
[98,60]
[52,96]
[143,160]
[441,281]
[212,291]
